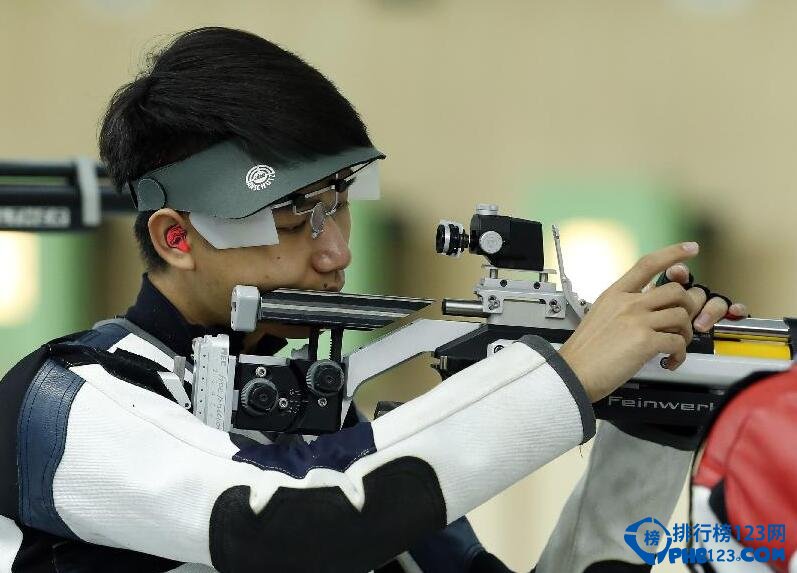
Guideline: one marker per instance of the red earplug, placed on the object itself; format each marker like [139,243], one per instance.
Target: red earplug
[175,238]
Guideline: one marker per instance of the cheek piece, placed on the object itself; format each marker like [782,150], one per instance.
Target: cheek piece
[175,238]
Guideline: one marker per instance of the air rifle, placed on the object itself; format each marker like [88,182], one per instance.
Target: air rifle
[308,395]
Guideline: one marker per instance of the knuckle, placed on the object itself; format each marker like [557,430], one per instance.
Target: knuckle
[671,289]
[619,299]
[719,304]
[641,336]
[677,289]
[684,300]
[635,304]
[698,295]
[650,345]
[647,264]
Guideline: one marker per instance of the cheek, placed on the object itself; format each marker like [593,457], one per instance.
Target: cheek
[216,270]
[344,223]
[276,266]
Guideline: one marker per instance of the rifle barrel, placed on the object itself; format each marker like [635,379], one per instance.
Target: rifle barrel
[759,328]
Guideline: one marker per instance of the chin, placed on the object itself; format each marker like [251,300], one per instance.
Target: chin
[328,286]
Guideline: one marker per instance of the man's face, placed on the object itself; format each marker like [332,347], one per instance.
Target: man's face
[298,261]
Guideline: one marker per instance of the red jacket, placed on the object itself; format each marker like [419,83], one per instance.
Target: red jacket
[745,476]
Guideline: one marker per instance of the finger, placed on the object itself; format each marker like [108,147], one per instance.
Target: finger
[712,312]
[669,295]
[652,264]
[738,310]
[678,273]
[698,296]
[674,345]
[674,320]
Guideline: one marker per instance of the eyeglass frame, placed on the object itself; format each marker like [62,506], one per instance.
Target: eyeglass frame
[339,185]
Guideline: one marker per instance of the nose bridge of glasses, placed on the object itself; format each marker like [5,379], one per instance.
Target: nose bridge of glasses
[306,203]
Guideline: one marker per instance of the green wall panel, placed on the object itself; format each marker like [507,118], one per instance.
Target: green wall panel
[64,304]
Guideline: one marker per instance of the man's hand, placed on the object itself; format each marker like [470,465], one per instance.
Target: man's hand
[627,327]
[713,309]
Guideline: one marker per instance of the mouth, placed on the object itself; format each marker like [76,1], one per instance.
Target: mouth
[331,288]
[326,287]
[334,285]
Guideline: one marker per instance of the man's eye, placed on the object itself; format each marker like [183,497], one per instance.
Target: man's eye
[291,228]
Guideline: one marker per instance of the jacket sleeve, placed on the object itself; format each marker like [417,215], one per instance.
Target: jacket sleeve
[454,549]
[107,462]
[627,479]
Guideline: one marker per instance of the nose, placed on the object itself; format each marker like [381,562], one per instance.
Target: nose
[331,249]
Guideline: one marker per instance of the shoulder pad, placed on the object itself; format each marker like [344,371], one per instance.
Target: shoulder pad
[127,366]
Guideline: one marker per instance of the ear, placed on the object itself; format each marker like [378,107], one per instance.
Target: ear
[174,248]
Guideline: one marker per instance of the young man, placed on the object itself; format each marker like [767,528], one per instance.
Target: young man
[241,159]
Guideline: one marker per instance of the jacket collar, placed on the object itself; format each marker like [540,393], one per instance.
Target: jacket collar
[154,313]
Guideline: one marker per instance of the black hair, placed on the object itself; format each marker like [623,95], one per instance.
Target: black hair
[213,84]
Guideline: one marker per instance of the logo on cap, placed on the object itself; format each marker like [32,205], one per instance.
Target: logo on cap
[260,177]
